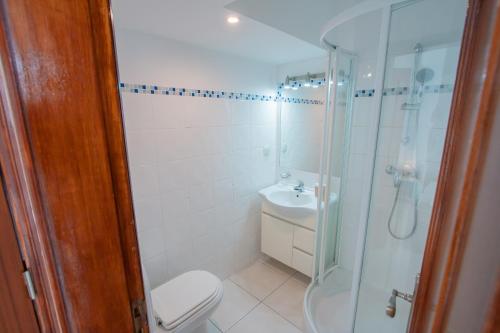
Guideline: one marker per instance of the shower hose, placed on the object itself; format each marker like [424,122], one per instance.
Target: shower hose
[415,216]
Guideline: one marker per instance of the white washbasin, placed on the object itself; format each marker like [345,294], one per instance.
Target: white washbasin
[287,198]
[290,203]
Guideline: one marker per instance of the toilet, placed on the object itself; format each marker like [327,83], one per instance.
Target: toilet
[184,303]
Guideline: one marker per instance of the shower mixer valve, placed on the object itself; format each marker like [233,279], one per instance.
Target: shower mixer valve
[406,172]
[390,309]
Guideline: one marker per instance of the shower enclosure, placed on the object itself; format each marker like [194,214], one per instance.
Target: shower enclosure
[391,74]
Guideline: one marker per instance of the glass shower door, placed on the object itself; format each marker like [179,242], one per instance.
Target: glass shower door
[418,83]
[335,148]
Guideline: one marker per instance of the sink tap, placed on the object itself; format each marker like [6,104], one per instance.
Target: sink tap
[300,187]
[285,175]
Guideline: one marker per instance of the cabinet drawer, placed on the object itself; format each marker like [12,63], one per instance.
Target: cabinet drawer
[277,239]
[302,262]
[303,239]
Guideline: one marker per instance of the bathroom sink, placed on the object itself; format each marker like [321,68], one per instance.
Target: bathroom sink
[290,203]
[292,198]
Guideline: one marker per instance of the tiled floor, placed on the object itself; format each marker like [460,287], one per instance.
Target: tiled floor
[265,297]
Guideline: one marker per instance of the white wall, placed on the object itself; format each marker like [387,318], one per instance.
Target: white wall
[143,57]
[196,163]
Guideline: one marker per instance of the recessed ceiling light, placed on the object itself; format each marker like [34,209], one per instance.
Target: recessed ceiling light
[233,19]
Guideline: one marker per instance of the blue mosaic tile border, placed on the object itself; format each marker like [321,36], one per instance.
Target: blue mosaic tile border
[364,93]
[436,88]
[300,84]
[159,90]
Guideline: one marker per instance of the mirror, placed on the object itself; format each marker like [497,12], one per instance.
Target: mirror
[302,126]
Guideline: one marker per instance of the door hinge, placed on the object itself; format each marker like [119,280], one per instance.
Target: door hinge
[28,280]
[140,317]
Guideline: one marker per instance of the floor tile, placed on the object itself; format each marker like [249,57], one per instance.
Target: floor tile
[288,301]
[235,304]
[261,279]
[263,320]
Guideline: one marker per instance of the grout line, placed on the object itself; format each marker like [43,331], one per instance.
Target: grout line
[272,291]
[282,317]
[278,287]
[246,314]
[290,276]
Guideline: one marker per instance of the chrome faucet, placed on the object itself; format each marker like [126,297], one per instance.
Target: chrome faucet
[285,174]
[300,187]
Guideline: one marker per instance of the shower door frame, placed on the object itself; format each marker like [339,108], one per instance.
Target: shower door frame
[319,271]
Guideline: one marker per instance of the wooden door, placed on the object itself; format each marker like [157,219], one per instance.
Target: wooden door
[62,148]
[16,313]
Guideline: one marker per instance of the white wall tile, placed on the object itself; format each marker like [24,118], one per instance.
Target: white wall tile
[203,223]
[241,137]
[141,146]
[240,112]
[137,111]
[169,112]
[173,145]
[144,180]
[156,268]
[198,141]
[151,242]
[196,163]
[222,166]
[175,203]
[220,139]
[174,175]
[201,196]
[223,192]
[359,140]
[147,213]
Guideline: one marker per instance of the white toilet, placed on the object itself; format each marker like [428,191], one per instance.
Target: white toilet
[184,303]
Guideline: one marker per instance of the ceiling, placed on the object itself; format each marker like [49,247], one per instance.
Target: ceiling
[203,23]
[284,31]
[299,18]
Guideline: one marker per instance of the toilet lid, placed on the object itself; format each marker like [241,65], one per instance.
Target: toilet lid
[179,298]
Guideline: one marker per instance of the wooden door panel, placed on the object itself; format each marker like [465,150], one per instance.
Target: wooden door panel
[63,56]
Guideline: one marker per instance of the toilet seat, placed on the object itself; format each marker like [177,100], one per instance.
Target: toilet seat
[185,298]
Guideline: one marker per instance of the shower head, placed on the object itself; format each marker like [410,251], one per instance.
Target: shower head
[424,75]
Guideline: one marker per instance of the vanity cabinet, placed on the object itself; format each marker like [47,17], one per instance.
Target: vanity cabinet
[288,242]
[277,239]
